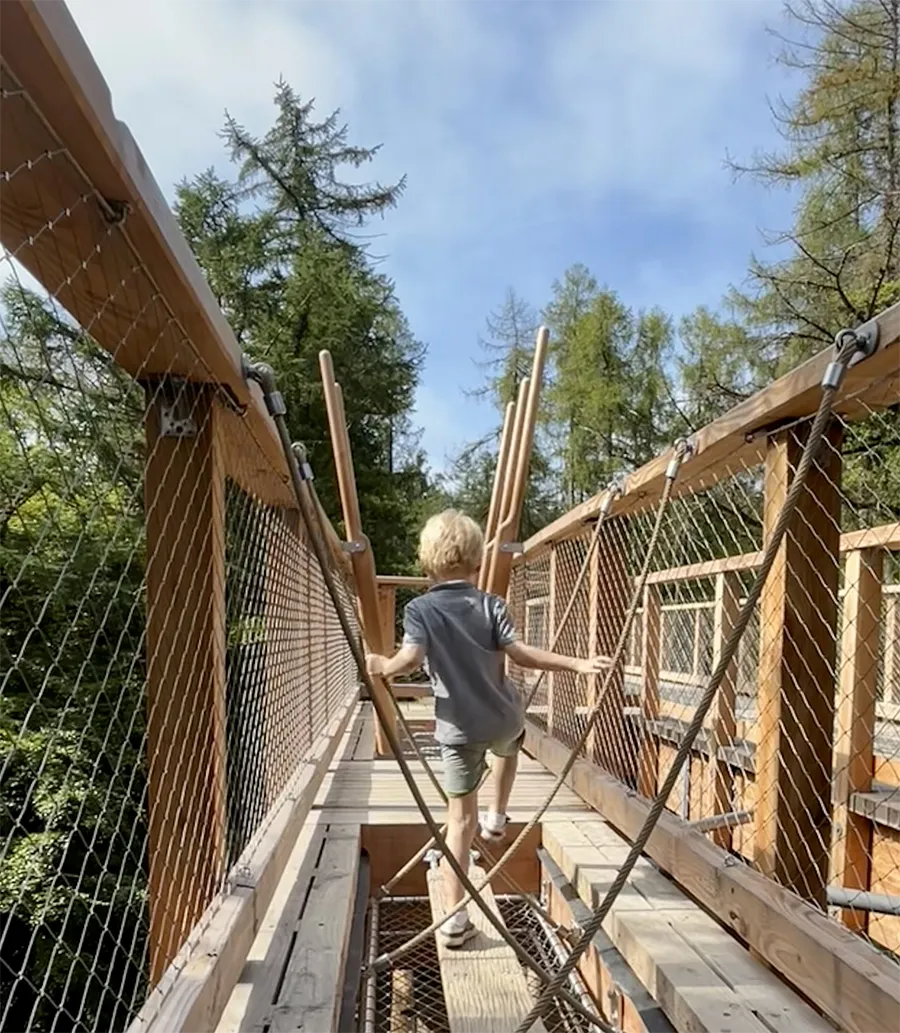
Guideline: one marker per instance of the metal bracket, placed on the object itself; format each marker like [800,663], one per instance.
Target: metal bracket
[353,546]
[513,547]
[176,417]
[433,857]
[867,342]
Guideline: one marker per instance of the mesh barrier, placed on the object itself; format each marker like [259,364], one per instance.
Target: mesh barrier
[801,748]
[168,650]
[410,997]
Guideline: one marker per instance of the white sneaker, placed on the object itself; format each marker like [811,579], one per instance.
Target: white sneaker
[457,930]
[493,825]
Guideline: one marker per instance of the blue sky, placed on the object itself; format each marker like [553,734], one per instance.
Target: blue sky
[533,135]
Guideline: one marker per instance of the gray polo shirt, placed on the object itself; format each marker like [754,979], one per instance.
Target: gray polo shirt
[463,631]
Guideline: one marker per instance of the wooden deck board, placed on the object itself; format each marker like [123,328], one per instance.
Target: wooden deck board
[703,978]
[484,985]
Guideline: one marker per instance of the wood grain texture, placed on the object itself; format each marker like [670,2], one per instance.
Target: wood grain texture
[797,651]
[701,976]
[851,982]
[309,998]
[484,986]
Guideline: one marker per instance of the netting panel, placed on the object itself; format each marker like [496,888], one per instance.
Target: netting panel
[168,651]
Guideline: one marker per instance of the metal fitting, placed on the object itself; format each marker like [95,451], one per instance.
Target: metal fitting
[302,457]
[264,375]
[850,347]
[684,449]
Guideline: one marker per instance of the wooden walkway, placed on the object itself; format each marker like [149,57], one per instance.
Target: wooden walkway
[667,964]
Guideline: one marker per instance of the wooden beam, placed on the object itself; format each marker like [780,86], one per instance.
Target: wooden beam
[497,490]
[387,608]
[402,581]
[722,721]
[362,559]
[195,988]
[651,637]
[735,441]
[854,759]
[553,680]
[594,681]
[504,511]
[843,975]
[184,498]
[617,747]
[484,985]
[310,995]
[159,318]
[797,649]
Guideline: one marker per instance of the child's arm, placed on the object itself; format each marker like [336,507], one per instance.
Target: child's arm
[544,660]
[407,658]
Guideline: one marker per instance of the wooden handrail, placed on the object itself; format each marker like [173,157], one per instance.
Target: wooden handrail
[736,441]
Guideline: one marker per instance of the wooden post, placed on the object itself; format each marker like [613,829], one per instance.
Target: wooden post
[184,497]
[387,608]
[494,516]
[501,563]
[648,768]
[854,760]
[552,598]
[507,488]
[594,680]
[616,744]
[362,559]
[798,617]
[722,720]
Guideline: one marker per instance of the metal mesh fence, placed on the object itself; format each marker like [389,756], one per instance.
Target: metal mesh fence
[800,754]
[410,997]
[168,650]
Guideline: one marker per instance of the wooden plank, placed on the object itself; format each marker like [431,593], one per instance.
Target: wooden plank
[797,650]
[711,568]
[640,924]
[310,995]
[607,975]
[851,982]
[387,608]
[885,929]
[887,537]
[184,500]
[484,986]
[722,715]
[854,759]
[881,807]
[594,681]
[651,639]
[194,990]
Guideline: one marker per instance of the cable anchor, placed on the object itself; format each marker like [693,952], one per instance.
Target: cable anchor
[263,374]
[683,449]
[859,343]
[302,457]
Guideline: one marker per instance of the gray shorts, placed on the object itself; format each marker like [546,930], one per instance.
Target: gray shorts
[465,764]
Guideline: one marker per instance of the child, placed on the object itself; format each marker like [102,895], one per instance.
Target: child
[464,635]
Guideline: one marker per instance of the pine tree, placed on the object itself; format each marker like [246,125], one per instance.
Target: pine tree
[279,247]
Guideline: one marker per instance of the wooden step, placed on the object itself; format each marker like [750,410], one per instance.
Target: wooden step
[703,979]
[484,986]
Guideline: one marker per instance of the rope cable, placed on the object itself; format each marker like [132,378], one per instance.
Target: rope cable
[264,375]
[847,345]
[681,450]
[385,890]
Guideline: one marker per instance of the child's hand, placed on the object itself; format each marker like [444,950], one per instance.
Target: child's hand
[375,664]
[593,665]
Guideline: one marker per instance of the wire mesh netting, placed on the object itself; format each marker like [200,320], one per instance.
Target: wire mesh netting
[410,997]
[800,749]
[168,651]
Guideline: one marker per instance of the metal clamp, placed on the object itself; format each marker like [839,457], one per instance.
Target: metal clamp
[176,413]
[264,375]
[302,457]
[684,449]
[354,547]
[513,547]
[863,341]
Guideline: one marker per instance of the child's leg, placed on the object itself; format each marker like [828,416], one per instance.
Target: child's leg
[463,768]
[461,825]
[506,761]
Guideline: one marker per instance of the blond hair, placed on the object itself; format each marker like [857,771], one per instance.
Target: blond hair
[450,542]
